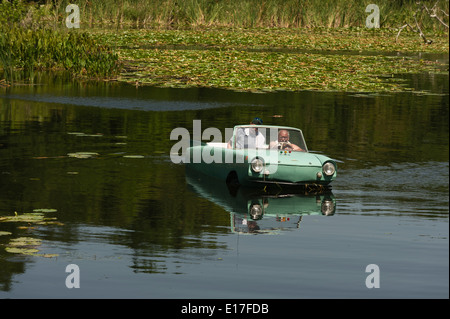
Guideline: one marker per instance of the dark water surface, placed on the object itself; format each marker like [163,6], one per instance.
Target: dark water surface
[138,226]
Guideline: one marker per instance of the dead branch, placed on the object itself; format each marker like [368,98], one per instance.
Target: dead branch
[401,29]
[432,13]
[422,35]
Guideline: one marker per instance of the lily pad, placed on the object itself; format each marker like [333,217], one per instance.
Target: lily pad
[85,135]
[5,233]
[48,255]
[23,245]
[23,251]
[27,245]
[50,223]
[45,210]
[27,218]
[25,241]
[82,154]
[75,133]
[37,218]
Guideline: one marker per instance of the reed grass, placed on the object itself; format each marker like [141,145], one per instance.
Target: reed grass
[246,13]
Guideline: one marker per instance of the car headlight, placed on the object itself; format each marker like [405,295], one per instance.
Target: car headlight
[327,207]
[328,168]
[257,165]
[256,211]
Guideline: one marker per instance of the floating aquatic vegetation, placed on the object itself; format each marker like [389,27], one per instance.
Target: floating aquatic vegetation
[28,245]
[37,218]
[81,134]
[83,154]
[21,250]
[260,39]
[45,210]
[270,59]
[26,227]
[270,71]
[47,157]
[24,242]
[23,246]
[24,218]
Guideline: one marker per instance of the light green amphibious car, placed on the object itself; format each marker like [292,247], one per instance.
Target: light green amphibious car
[274,155]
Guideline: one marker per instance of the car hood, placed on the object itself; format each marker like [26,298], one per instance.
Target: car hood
[295,158]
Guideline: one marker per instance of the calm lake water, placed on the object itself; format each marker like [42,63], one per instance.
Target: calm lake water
[139,226]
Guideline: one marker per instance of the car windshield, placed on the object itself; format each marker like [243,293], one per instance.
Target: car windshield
[256,136]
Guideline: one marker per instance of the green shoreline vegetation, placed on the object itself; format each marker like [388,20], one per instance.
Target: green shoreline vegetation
[248,45]
[29,42]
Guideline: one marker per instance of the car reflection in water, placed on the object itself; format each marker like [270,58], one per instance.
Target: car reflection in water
[262,210]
